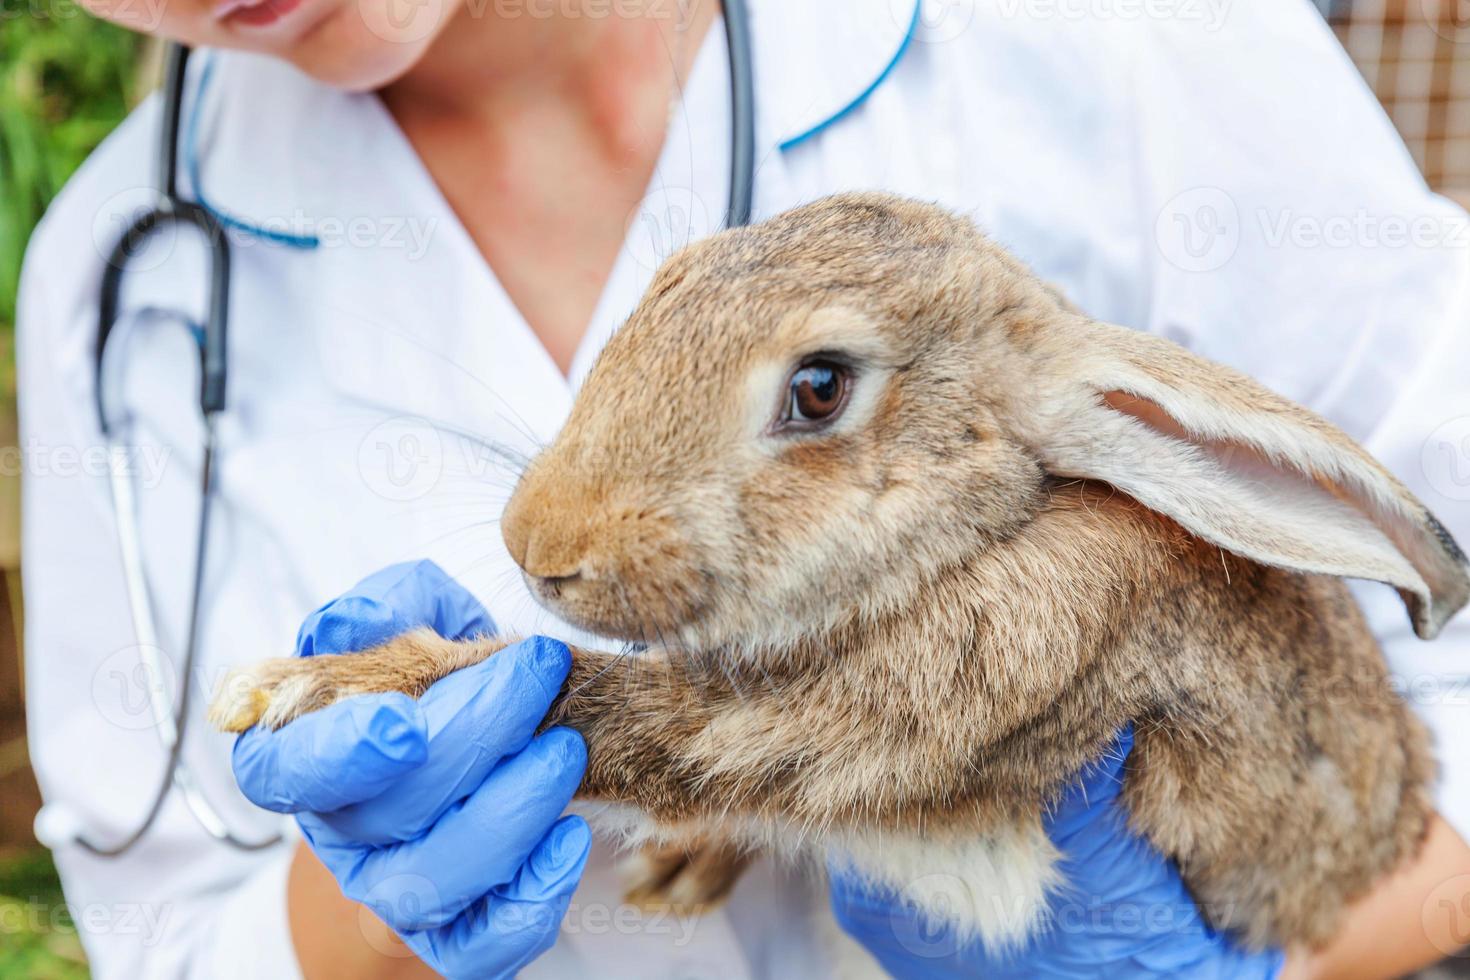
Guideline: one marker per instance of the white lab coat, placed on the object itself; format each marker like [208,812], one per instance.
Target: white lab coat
[1167,168]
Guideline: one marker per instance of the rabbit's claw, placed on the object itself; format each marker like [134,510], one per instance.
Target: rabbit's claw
[274,692]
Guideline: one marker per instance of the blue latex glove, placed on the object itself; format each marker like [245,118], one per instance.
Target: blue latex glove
[1124,913]
[441,815]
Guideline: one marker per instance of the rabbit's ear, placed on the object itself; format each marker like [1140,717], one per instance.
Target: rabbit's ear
[1234,464]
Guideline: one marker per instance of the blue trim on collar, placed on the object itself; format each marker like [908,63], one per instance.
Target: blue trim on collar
[191,164]
[863,95]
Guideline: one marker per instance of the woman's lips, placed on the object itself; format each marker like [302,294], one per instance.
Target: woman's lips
[253,13]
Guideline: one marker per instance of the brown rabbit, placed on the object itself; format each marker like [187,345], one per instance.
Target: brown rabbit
[910,540]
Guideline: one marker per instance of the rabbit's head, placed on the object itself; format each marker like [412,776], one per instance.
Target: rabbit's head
[804,419]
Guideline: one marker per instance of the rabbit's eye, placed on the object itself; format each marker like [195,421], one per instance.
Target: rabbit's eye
[817,394]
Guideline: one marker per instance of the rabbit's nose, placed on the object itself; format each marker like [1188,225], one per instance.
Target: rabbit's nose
[545,539]
[551,569]
[547,555]
[552,564]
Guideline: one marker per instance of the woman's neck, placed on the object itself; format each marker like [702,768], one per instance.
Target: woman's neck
[609,57]
[543,128]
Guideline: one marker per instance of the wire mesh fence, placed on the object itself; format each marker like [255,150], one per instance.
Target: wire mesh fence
[1415,54]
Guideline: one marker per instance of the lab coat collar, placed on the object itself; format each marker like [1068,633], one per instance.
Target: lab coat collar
[814,64]
[817,62]
[259,149]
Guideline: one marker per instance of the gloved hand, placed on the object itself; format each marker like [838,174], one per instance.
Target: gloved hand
[1124,913]
[441,815]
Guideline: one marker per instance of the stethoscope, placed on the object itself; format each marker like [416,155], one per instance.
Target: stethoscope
[171,209]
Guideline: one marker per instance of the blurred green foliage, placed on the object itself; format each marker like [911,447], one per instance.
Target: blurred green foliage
[38,939]
[66,79]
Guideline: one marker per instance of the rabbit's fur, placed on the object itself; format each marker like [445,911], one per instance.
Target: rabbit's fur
[892,642]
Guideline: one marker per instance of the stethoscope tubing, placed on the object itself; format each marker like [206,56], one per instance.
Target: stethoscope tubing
[171,720]
[742,113]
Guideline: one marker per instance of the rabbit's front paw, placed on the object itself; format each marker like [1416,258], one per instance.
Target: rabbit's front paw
[274,692]
[277,691]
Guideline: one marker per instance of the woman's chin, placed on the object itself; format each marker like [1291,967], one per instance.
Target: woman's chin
[345,53]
